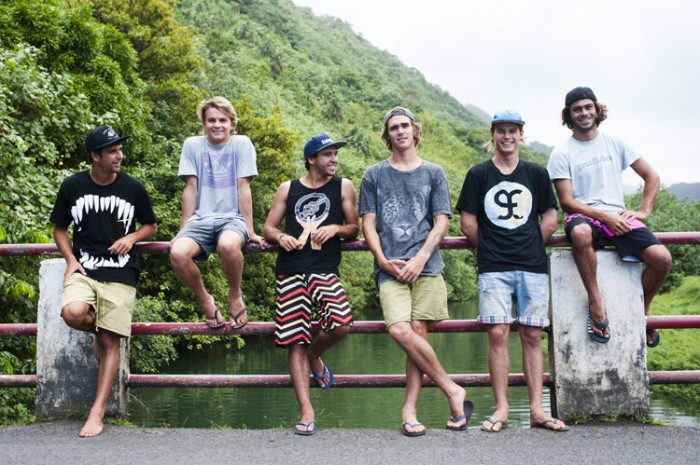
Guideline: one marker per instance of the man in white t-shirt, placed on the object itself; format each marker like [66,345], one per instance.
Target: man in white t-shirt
[587,174]
[217,210]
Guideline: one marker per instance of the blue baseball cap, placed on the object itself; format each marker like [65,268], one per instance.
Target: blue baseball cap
[507,116]
[320,142]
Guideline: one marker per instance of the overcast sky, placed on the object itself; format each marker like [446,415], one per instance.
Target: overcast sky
[640,57]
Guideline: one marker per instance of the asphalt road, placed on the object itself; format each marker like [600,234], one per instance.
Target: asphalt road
[57,443]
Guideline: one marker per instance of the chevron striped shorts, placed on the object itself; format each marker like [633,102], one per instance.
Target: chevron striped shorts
[298,295]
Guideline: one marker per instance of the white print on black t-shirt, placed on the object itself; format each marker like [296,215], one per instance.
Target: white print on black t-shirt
[94,203]
[112,205]
[311,210]
[92,263]
[508,204]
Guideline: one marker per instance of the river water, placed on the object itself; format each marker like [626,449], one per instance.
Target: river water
[259,408]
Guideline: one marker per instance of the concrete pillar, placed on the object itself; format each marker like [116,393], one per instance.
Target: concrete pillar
[592,379]
[65,363]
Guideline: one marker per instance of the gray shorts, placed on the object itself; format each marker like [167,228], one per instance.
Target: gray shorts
[207,231]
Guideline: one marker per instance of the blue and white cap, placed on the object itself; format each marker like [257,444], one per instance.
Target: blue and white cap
[507,116]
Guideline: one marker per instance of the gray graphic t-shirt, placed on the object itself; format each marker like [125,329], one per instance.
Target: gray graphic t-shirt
[405,203]
[218,169]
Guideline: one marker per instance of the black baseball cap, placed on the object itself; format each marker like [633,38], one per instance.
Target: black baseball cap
[102,137]
[579,93]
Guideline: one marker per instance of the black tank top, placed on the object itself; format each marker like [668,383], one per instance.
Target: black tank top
[306,206]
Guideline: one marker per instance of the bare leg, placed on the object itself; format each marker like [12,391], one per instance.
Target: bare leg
[587,262]
[414,382]
[323,342]
[76,315]
[531,339]
[299,372]
[422,355]
[230,251]
[182,253]
[108,346]
[658,264]
[499,368]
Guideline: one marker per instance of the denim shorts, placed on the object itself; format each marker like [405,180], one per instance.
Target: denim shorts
[207,231]
[527,291]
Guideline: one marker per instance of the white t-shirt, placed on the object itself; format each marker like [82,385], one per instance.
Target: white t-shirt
[595,169]
[217,169]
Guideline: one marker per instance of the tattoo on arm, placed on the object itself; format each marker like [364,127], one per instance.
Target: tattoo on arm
[433,242]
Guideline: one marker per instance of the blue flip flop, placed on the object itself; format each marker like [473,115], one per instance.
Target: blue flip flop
[304,432]
[468,409]
[412,434]
[322,376]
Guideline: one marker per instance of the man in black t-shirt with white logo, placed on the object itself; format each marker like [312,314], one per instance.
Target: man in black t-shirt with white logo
[508,211]
[102,268]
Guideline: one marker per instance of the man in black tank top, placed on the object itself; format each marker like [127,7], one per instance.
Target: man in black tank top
[319,210]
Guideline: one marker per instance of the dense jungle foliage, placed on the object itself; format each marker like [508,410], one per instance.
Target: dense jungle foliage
[142,66]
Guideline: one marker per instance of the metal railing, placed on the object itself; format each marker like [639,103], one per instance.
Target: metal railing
[359,327]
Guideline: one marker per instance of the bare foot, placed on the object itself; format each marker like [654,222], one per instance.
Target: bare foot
[92,427]
[321,374]
[597,309]
[237,313]
[496,422]
[411,426]
[550,423]
[210,308]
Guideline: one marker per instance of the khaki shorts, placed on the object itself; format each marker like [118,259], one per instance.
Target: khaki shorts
[113,303]
[424,300]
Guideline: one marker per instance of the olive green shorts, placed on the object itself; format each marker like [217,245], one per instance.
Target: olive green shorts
[424,300]
[113,303]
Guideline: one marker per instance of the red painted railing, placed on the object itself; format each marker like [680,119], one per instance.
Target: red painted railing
[160,248]
[363,327]
[359,327]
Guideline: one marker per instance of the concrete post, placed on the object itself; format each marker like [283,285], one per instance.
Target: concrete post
[65,363]
[592,379]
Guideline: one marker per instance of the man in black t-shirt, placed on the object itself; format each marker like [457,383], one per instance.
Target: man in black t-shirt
[318,210]
[508,211]
[102,268]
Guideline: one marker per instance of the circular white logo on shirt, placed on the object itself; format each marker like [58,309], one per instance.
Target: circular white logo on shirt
[508,204]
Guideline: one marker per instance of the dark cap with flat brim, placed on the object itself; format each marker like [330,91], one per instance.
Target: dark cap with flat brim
[579,93]
[102,137]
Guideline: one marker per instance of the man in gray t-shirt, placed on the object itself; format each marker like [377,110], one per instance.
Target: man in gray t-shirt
[587,174]
[217,210]
[405,209]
